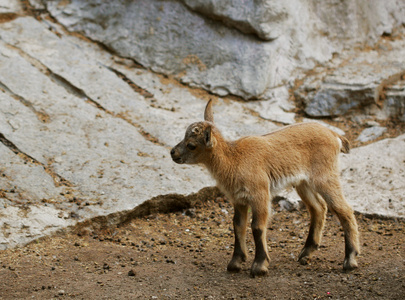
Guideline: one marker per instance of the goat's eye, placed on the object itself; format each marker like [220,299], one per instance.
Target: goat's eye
[191,146]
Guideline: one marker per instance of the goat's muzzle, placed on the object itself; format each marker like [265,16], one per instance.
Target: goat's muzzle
[175,156]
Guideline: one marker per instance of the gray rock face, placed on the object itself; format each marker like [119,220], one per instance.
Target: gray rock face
[167,37]
[234,47]
[371,81]
[99,161]
[374,177]
[264,19]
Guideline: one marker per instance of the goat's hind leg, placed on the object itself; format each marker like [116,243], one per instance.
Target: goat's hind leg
[317,209]
[333,195]
[239,225]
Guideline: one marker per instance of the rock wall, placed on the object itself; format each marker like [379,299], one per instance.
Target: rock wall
[244,48]
[85,135]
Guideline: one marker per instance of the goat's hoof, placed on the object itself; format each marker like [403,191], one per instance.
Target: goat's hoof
[258,270]
[306,252]
[304,260]
[261,272]
[234,268]
[235,265]
[350,264]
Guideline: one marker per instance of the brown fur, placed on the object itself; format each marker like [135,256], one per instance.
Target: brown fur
[251,170]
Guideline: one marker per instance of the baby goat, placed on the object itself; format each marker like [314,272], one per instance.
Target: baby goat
[251,170]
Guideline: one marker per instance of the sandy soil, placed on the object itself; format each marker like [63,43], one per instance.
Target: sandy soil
[183,255]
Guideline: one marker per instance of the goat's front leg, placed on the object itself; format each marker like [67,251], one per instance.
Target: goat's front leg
[259,226]
[317,208]
[239,226]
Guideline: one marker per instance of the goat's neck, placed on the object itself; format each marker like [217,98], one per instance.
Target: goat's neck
[222,157]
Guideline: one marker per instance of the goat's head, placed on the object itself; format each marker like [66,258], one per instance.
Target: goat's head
[198,141]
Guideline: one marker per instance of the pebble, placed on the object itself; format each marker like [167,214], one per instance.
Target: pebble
[371,133]
[190,213]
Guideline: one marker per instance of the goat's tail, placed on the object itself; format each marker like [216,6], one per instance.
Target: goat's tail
[345,145]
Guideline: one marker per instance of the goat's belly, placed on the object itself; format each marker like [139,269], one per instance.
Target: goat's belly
[244,195]
[286,182]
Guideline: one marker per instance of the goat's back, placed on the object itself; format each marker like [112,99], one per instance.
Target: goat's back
[302,150]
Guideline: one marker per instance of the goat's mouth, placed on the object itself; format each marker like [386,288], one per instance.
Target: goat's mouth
[177,160]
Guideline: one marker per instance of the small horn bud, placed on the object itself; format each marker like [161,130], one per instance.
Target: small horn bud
[208,114]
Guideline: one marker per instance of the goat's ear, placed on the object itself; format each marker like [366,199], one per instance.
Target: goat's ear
[208,114]
[208,138]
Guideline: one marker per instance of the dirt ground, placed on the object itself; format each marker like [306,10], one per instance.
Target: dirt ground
[183,255]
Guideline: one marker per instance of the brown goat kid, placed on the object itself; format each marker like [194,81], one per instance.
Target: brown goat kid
[251,170]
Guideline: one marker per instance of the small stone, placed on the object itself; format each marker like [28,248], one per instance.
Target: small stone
[287,205]
[131,273]
[190,213]
[372,124]
[371,133]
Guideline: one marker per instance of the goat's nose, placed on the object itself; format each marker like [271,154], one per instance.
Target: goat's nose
[172,152]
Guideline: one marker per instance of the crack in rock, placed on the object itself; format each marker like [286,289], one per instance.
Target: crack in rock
[133,85]
[7,17]
[3,194]
[79,93]
[41,115]
[58,180]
